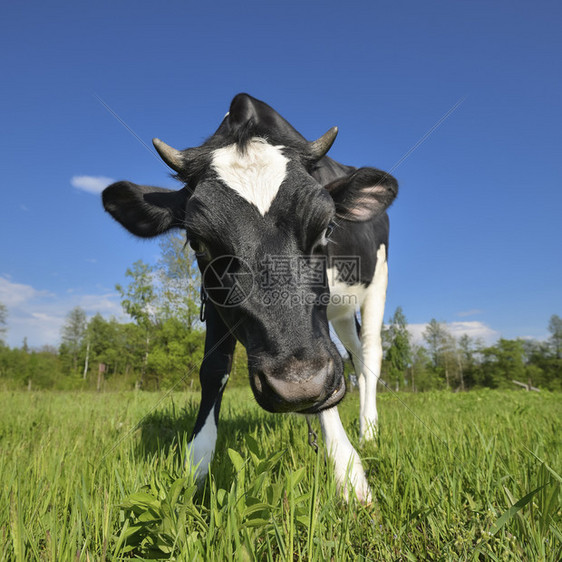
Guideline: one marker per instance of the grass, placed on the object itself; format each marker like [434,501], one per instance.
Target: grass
[472,476]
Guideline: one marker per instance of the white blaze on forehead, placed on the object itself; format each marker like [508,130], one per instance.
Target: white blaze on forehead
[255,173]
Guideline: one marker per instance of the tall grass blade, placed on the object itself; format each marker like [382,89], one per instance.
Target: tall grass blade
[514,509]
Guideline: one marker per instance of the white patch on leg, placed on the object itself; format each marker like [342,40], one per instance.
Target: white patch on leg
[255,173]
[372,315]
[200,450]
[348,469]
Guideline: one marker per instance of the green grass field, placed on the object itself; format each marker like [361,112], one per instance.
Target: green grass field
[471,476]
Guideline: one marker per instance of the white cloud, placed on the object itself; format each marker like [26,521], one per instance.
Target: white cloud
[540,337]
[39,315]
[91,184]
[474,329]
[416,331]
[13,294]
[472,312]
[106,304]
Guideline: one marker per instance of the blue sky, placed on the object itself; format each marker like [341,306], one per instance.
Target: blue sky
[475,232]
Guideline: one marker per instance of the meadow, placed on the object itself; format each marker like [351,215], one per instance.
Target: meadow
[466,476]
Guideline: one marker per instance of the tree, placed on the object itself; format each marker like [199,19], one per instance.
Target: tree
[139,297]
[503,363]
[543,361]
[178,338]
[176,355]
[73,332]
[555,340]
[180,281]
[139,301]
[104,344]
[466,353]
[3,322]
[441,348]
[423,376]
[434,335]
[398,350]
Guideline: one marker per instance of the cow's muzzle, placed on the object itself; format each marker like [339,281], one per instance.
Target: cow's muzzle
[297,385]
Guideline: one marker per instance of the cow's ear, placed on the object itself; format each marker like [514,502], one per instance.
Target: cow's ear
[364,194]
[145,210]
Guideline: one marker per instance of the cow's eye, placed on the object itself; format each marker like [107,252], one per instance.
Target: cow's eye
[198,247]
[322,240]
[326,234]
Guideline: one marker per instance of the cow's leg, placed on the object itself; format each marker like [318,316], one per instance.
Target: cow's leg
[347,464]
[372,315]
[214,373]
[346,330]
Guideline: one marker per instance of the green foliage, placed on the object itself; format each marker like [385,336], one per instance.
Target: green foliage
[443,352]
[108,342]
[464,476]
[467,349]
[162,302]
[180,281]
[72,336]
[398,353]
[555,329]
[139,297]
[159,518]
[502,363]
[424,377]
[33,370]
[543,501]
[176,353]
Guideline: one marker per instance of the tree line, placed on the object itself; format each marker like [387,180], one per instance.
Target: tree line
[162,345]
[446,362]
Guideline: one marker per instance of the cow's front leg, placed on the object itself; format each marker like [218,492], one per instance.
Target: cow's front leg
[348,469]
[214,373]
[372,315]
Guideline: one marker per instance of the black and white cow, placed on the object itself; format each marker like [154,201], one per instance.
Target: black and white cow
[258,192]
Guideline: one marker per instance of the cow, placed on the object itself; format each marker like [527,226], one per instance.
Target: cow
[261,205]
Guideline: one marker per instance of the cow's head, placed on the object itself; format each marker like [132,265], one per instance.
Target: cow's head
[252,208]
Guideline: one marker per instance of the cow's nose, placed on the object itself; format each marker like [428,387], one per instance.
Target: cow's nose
[297,387]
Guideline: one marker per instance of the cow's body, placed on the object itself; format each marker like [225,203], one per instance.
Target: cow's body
[259,192]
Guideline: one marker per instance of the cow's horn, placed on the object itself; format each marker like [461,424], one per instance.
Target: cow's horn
[170,155]
[320,147]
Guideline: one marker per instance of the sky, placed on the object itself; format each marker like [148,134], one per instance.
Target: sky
[460,101]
